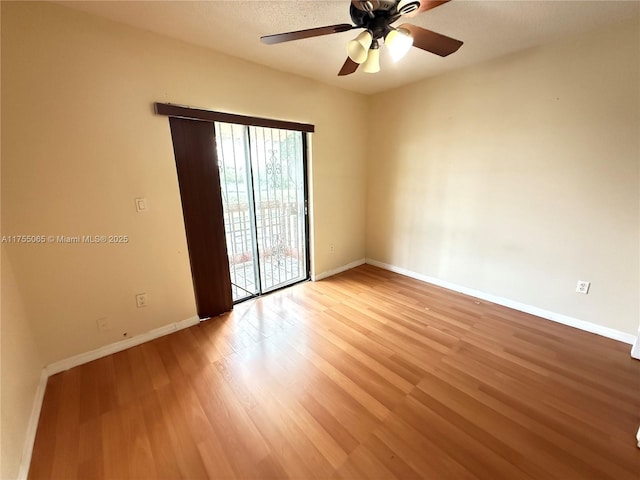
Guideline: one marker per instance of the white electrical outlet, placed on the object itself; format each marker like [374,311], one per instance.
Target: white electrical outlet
[103,324]
[583,286]
[141,300]
[332,248]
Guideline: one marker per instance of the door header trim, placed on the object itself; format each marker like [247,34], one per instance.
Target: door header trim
[180,111]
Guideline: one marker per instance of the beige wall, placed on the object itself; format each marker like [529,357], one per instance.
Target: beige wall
[21,369]
[519,177]
[81,142]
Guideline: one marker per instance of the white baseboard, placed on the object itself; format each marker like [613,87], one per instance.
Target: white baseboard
[86,357]
[635,353]
[32,426]
[335,271]
[75,361]
[522,307]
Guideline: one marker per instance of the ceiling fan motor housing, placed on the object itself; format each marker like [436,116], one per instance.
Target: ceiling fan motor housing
[407,6]
[377,16]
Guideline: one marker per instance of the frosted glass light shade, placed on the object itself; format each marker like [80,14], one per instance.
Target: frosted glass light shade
[398,42]
[358,48]
[372,65]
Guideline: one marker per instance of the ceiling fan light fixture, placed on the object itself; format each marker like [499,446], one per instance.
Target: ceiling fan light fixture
[358,48]
[372,65]
[398,42]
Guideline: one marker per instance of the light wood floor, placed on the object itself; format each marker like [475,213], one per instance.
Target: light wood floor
[367,374]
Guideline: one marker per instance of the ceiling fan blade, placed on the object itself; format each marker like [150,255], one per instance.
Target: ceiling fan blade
[348,68]
[431,41]
[300,34]
[426,5]
[429,4]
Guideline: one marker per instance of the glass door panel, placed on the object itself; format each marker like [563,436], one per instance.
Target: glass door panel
[279,192]
[262,177]
[237,202]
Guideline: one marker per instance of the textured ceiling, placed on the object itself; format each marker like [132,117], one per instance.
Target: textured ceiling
[488,28]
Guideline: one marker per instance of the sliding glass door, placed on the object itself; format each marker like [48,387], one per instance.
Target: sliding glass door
[263,183]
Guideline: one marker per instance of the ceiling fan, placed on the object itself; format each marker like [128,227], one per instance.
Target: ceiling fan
[376,17]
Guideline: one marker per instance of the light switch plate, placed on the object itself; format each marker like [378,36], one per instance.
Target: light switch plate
[141,204]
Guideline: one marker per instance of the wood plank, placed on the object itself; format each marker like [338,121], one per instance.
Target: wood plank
[367,374]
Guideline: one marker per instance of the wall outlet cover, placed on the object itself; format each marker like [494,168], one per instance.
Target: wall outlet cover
[583,286]
[141,300]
